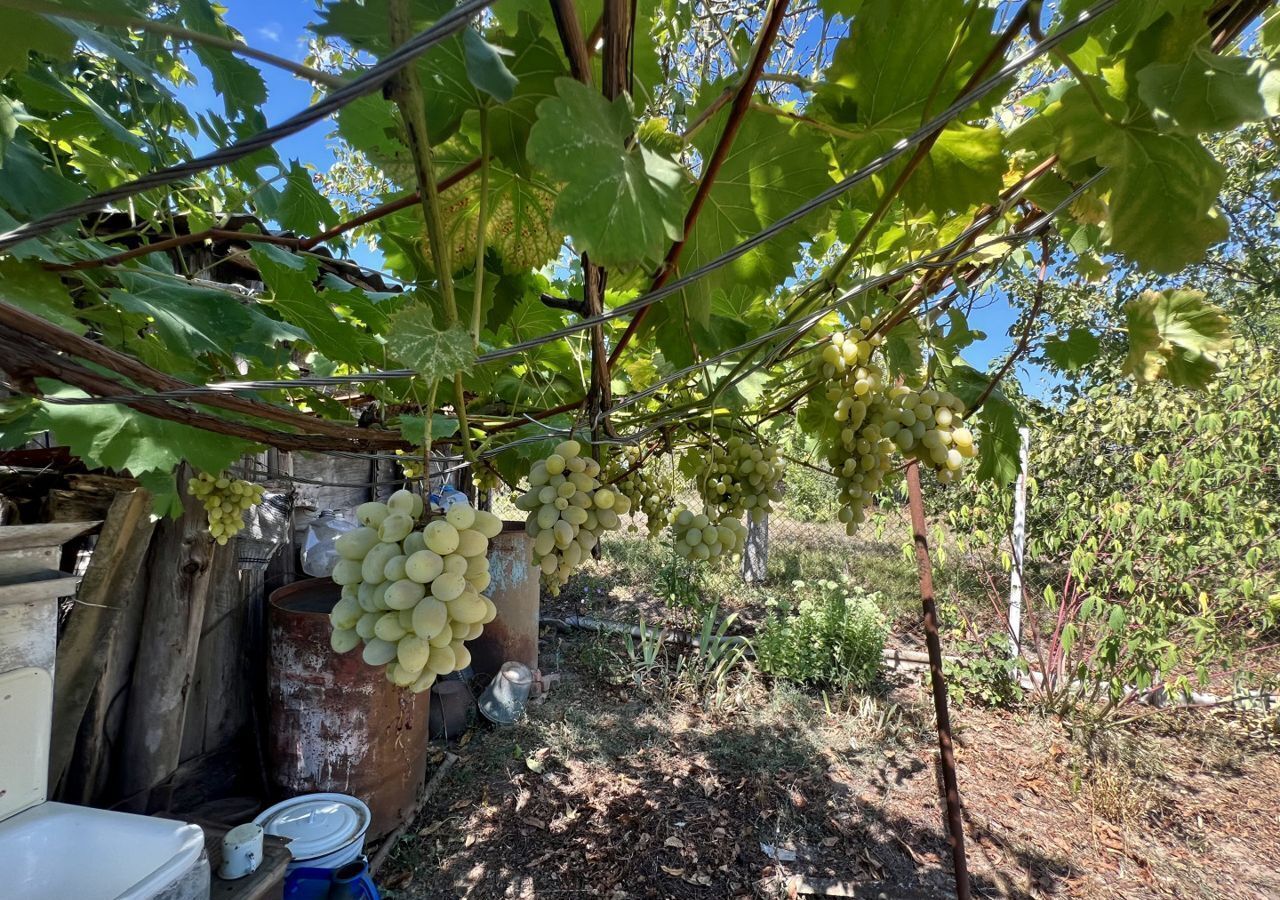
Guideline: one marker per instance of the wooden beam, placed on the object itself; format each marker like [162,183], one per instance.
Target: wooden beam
[85,645]
[180,571]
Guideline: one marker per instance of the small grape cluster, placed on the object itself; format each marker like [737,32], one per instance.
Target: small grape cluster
[485,477]
[568,511]
[875,419]
[225,500]
[413,597]
[701,537]
[646,490]
[743,477]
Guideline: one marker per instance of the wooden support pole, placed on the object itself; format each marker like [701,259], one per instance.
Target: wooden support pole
[180,569]
[1019,539]
[955,818]
[87,644]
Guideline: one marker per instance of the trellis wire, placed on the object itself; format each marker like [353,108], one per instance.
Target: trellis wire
[929,260]
[370,81]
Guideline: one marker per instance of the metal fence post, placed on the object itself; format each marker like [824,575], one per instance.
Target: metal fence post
[755,558]
[1019,542]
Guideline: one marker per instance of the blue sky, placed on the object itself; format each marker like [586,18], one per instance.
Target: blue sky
[280,28]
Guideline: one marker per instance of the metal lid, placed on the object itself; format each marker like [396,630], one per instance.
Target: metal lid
[316,824]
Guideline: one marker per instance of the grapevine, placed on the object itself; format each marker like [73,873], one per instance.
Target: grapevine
[413,597]
[568,511]
[225,500]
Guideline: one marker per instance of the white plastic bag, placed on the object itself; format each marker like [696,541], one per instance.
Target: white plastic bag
[318,553]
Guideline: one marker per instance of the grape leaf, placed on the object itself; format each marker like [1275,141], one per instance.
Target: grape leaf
[902,350]
[435,354]
[771,168]
[1163,190]
[536,63]
[299,207]
[518,227]
[1173,334]
[965,167]
[999,441]
[196,320]
[1074,352]
[27,286]
[621,203]
[1209,92]
[107,435]
[240,83]
[485,68]
[885,74]
[27,32]
[291,279]
[413,428]
[10,110]
[30,186]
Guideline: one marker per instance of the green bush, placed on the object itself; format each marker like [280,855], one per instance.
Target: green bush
[832,635]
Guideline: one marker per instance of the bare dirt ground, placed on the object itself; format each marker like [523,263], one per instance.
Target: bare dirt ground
[622,786]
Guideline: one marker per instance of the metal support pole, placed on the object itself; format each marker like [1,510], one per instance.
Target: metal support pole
[755,557]
[1019,542]
[955,821]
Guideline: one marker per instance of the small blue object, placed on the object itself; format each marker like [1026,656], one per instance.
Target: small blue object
[446,497]
[348,882]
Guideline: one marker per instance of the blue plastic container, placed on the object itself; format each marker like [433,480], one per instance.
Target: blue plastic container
[348,882]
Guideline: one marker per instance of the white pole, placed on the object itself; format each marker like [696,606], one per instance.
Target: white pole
[755,556]
[1019,541]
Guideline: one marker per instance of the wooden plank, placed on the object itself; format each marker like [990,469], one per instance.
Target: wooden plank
[179,575]
[218,705]
[88,639]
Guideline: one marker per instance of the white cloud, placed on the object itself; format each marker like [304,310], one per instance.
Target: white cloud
[270,31]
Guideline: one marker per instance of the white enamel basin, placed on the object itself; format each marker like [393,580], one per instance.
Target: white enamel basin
[55,851]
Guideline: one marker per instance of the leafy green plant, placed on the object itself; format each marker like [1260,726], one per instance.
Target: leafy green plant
[823,633]
[983,673]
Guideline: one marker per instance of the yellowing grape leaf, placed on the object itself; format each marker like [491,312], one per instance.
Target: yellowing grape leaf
[1173,334]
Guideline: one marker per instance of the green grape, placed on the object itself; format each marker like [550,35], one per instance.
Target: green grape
[875,420]
[646,488]
[568,511]
[699,536]
[743,477]
[225,500]
[412,597]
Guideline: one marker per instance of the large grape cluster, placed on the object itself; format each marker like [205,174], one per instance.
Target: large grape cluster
[874,419]
[742,477]
[701,537]
[568,510]
[225,501]
[648,492]
[413,597]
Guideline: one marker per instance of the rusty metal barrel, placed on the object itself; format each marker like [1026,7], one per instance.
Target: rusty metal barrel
[338,725]
[514,590]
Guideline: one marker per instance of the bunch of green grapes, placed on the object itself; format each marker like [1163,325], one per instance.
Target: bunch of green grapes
[485,477]
[413,597]
[225,500]
[410,464]
[701,537]
[873,420]
[646,489]
[568,511]
[743,477]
